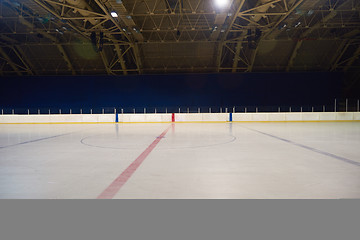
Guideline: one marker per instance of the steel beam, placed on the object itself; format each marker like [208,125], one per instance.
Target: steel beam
[66,58]
[177,69]
[298,45]
[138,58]
[21,55]
[293,55]
[117,48]
[163,42]
[246,12]
[165,14]
[237,52]
[103,16]
[238,68]
[10,62]
[235,15]
[52,38]
[59,17]
[336,63]
[283,18]
[252,60]
[352,59]
[219,55]
[106,63]
[220,18]
[120,58]
[31,65]
[337,53]
[236,57]
[105,10]
[222,42]
[124,16]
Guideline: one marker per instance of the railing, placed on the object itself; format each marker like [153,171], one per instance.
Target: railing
[339,105]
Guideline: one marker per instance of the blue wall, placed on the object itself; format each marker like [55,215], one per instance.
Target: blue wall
[251,89]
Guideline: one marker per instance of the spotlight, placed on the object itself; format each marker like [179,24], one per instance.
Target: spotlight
[221,3]
[114,14]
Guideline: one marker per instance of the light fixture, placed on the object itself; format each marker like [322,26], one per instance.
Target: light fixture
[221,3]
[114,14]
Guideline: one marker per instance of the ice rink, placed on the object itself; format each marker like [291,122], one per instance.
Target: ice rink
[180,160]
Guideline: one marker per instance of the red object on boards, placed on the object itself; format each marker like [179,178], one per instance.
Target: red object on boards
[173,117]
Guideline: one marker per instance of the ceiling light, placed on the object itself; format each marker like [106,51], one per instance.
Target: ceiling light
[221,3]
[114,14]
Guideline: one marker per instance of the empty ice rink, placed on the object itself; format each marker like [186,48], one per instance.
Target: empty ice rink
[293,160]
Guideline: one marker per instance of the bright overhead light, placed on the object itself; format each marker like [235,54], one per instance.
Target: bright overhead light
[221,3]
[114,14]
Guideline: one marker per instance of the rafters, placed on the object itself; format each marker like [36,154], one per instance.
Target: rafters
[351,60]
[238,4]
[308,31]
[21,55]
[10,62]
[53,39]
[42,4]
[283,17]
[187,26]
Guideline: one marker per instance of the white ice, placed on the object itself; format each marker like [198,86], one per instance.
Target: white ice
[193,160]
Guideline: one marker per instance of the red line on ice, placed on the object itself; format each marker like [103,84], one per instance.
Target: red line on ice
[115,186]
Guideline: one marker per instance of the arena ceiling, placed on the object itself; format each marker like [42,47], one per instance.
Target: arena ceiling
[121,37]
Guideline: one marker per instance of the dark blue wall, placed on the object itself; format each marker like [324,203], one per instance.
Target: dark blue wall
[261,89]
